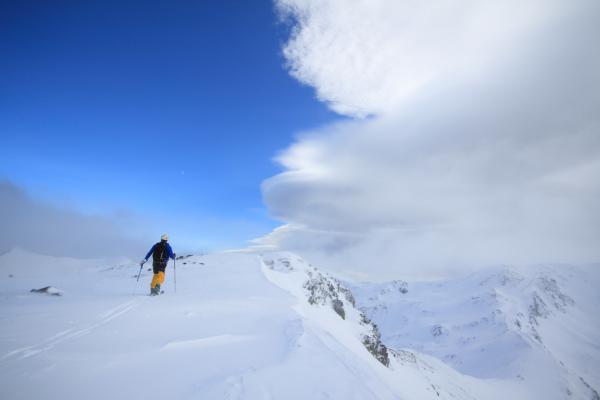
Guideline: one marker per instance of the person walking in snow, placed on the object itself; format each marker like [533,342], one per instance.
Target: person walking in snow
[161,252]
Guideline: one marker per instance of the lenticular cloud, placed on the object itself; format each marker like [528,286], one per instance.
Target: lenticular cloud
[483,144]
[367,57]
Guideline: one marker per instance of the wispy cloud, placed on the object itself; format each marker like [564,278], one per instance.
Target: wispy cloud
[48,229]
[484,145]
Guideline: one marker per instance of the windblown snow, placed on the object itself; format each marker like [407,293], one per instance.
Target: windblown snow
[271,326]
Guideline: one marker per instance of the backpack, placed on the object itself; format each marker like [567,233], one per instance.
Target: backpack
[160,251]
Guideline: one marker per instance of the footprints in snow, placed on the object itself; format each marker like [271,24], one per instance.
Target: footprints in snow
[52,341]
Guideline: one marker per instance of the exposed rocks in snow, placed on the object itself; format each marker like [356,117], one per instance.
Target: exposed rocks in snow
[547,297]
[338,307]
[347,294]
[50,290]
[438,330]
[537,309]
[388,290]
[593,392]
[321,290]
[324,290]
[282,264]
[377,348]
[403,356]
[373,342]
[192,262]
[550,287]
[395,287]
[189,259]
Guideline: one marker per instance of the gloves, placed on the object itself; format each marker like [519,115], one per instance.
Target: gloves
[174,255]
[143,262]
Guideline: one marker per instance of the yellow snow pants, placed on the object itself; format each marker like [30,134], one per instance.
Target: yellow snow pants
[157,279]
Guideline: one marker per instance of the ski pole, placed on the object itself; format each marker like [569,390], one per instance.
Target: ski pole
[175,274]
[138,279]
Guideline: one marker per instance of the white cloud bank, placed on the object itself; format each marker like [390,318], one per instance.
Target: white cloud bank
[484,141]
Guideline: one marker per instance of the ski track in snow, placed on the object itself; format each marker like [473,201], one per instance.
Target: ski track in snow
[52,341]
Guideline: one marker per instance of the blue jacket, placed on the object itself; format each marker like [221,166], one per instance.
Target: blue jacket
[167,247]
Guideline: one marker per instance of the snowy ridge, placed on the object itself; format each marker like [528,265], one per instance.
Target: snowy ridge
[406,373]
[305,281]
[535,325]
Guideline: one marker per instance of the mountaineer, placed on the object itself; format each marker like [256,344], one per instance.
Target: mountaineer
[161,252]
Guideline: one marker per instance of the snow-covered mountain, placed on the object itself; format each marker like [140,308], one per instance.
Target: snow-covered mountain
[538,325]
[271,326]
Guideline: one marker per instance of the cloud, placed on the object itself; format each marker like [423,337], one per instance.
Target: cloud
[483,144]
[370,56]
[47,229]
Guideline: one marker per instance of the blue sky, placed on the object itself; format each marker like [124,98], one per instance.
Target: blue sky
[168,113]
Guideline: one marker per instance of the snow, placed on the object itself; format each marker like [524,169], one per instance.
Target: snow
[534,324]
[263,326]
[211,341]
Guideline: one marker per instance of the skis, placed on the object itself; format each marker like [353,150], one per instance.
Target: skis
[156,294]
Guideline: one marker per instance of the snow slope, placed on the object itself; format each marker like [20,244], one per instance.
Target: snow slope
[538,325]
[240,326]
